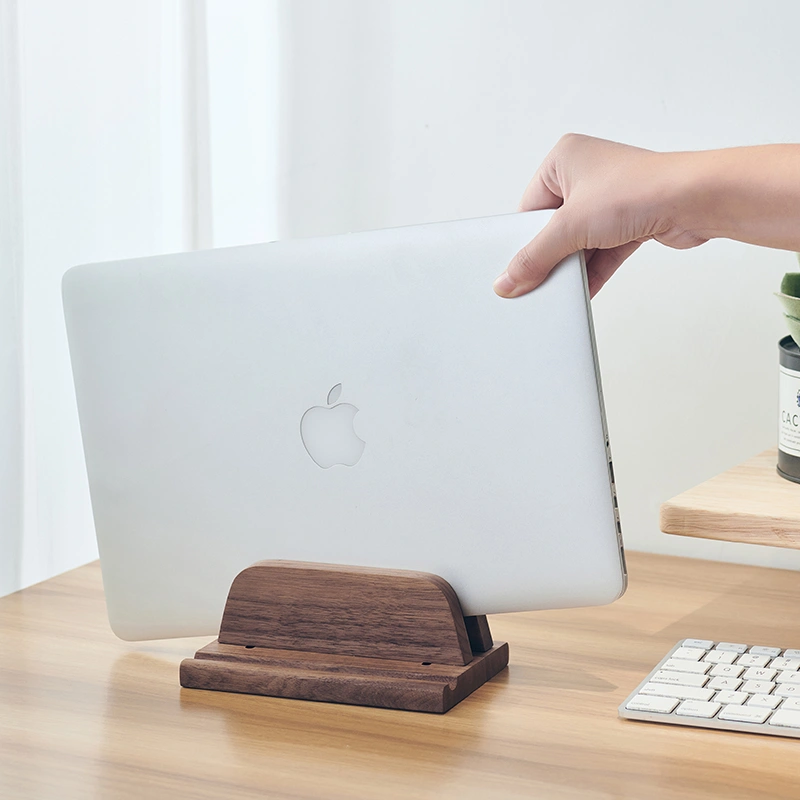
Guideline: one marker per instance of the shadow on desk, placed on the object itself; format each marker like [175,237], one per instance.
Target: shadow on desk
[254,742]
[736,614]
[242,738]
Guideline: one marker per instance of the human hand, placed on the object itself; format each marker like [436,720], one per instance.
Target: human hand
[610,198]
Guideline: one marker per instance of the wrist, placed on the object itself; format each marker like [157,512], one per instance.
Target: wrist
[749,194]
[698,194]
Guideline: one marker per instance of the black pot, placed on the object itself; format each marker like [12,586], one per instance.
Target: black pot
[789,419]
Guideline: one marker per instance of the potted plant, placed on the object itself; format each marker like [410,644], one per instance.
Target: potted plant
[789,391]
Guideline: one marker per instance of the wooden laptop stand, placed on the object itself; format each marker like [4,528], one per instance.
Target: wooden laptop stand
[357,635]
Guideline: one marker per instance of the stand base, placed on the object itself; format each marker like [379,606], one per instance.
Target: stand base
[340,679]
[383,638]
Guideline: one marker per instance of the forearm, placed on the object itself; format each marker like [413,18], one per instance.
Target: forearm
[750,194]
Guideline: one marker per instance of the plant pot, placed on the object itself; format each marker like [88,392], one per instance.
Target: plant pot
[789,410]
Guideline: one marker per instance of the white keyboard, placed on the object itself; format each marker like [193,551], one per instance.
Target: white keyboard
[722,685]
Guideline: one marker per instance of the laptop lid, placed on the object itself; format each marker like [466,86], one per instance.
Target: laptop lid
[363,399]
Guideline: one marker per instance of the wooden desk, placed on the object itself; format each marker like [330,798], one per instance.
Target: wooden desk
[84,715]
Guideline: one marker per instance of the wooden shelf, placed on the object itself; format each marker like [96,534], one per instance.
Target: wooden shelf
[749,503]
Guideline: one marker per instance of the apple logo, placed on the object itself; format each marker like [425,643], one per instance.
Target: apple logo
[328,434]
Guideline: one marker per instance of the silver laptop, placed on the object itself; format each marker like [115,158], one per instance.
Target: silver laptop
[363,399]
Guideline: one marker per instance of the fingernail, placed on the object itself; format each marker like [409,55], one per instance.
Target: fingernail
[504,285]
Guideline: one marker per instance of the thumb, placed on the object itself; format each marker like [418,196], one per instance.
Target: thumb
[531,265]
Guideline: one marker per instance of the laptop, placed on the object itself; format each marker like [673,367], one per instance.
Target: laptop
[363,399]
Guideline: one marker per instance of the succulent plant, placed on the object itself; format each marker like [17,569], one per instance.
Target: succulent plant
[789,296]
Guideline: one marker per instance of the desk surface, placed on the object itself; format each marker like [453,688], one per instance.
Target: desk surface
[748,503]
[84,715]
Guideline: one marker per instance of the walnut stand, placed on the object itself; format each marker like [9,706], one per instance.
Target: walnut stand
[370,637]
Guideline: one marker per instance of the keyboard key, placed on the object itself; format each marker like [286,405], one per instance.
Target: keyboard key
[787,719]
[725,670]
[690,653]
[727,684]
[733,648]
[744,714]
[758,687]
[764,700]
[678,678]
[759,674]
[659,705]
[696,708]
[681,692]
[753,660]
[721,657]
[731,698]
[703,644]
[724,686]
[771,652]
[785,663]
[681,665]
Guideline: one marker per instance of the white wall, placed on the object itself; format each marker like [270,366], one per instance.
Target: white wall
[166,124]
[414,111]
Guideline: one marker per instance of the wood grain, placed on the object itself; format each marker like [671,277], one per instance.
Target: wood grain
[342,679]
[354,611]
[749,503]
[330,633]
[85,716]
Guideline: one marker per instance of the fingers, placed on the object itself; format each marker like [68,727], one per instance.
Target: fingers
[604,263]
[536,260]
[528,269]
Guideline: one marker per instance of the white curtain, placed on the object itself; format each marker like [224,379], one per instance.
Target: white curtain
[11,343]
[126,129]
